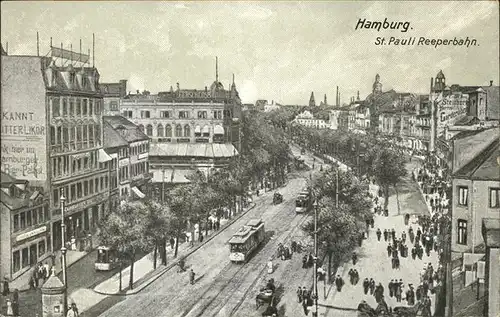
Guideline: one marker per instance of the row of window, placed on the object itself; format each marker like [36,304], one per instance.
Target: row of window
[139,168]
[183,114]
[81,189]
[29,218]
[179,131]
[493,196]
[66,165]
[84,135]
[75,107]
[28,256]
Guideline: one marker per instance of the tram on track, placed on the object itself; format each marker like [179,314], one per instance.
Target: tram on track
[246,240]
[303,202]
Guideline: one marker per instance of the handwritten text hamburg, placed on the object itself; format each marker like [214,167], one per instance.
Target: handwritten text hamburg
[411,40]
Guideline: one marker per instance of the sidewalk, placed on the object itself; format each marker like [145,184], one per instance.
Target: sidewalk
[374,263]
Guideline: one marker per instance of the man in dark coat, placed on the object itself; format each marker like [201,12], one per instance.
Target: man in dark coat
[389,249]
[391,288]
[356,276]
[339,282]
[379,234]
[385,235]
[304,262]
[299,294]
[191,276]
[393,234]
[366,285]
[372,286]
[354,258]
[351,276]
[410,295]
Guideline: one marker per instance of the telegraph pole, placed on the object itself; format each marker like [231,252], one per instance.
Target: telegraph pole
[315,267]
[63,252]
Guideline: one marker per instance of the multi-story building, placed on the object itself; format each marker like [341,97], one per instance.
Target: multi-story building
[52,128]
[476,196]
[129,148]
[24,227]
[307,119]
[112,95]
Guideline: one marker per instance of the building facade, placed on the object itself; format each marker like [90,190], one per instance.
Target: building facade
[476,196]
[307,119]
[24,227]
[112,95]
[129,149]
[55,123]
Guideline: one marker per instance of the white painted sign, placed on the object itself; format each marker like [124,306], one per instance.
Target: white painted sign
[31,233]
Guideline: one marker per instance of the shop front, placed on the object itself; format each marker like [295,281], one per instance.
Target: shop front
[81,220]
[28,249]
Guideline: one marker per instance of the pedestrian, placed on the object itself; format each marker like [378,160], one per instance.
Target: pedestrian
[5,289]
[389,250]
[372,286]
[393,234]
[410,295]
[351,276]
[15,302]
[35,277]
[385,235]
[366,285]
[391,288]
[310,261]
[372,222]
[407,219]
[305,294]
[72,311]
[354,258]
[426,303]
[398,293]
[304,262]
[299,294]
[356,276]
[379,234]
[403,237]
[397,263]
[200,238]
[339,282]
[191,276]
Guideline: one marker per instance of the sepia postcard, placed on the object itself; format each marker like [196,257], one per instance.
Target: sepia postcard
[250,158]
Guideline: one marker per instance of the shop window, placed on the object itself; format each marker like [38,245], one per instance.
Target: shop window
[33,254]
[28,218]
[24,258]
[16,222]
[16,261]
[41,248]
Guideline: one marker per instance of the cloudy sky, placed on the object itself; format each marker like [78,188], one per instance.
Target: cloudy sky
[278,51]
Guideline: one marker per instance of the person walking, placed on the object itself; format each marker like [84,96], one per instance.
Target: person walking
[299,294]
[339,282]
[72,311]
[389,250]
[398,293]
[385,235]
[372,286]
[366,285]
[356,276]
[191,277]
[391,288]
[5,289]
[379,234]
[354,258]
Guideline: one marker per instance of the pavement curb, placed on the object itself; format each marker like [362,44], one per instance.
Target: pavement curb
[159,272]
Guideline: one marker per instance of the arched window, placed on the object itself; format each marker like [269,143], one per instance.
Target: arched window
[168,131]
[187,131]
[149,130]
[161,130]
[178,131]
[141,127]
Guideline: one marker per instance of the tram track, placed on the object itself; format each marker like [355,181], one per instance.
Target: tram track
[241,280]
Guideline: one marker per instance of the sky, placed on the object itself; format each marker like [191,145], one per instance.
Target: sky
[278,51]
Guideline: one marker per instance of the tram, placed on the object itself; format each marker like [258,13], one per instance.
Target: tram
[246,240]
[303,202]
[107,259]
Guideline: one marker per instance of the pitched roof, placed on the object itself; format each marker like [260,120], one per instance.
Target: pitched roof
[112,138]
[484,166]
[129,131]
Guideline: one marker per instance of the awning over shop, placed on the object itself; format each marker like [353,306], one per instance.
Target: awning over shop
[138,192]
[207,150]
[218,129]
[103,156]
[197,129]
[206,129]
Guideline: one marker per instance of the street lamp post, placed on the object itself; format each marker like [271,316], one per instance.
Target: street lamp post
[315,267]
[63,252]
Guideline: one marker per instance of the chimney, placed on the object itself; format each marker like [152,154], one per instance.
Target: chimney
[491,83]
[432,84]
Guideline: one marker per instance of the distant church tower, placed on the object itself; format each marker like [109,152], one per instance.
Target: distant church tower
[377,85]
[440,83]
[325,101]
[312,103]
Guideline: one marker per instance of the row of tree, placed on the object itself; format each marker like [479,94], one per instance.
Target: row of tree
[147,225]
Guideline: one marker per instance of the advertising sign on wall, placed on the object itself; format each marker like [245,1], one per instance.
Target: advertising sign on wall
[450,109]
[23,128]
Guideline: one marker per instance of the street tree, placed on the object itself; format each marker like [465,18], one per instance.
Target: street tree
[124,229]
[160,227]
[388,168]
